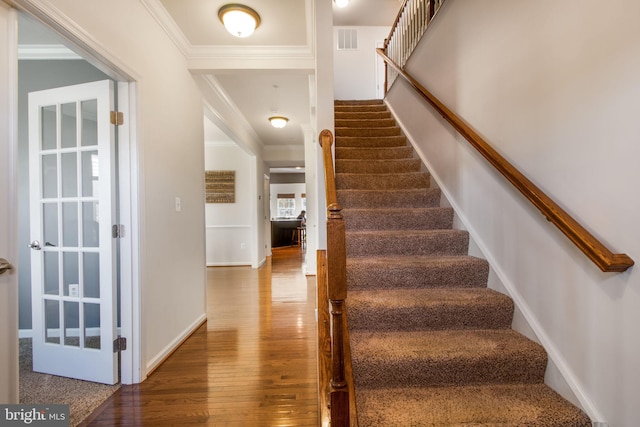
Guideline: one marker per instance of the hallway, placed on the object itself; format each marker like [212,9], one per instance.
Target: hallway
[252,364]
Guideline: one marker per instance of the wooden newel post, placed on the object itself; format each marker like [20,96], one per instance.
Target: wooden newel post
[337,274]
[337,287]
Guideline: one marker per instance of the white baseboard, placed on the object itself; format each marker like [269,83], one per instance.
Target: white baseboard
[228,264]
[163,354]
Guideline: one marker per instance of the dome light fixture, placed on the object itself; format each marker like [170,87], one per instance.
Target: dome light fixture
[238,19]
[341,3]
[278,122]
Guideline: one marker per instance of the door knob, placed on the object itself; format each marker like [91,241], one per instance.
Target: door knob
[35,245]
[5,266]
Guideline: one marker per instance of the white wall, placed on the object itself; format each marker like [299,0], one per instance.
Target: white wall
[170,157]
[8,207]
[555,87]
[355,71]
[229,225]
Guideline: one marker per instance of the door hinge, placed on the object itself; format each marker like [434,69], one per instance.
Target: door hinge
[117,118]
[119,344]
[117,231]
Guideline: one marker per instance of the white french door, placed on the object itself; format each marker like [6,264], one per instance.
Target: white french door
[71,184]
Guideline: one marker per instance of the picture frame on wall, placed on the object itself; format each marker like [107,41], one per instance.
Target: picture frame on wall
[220,186]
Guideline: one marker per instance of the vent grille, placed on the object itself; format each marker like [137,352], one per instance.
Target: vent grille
[347,39]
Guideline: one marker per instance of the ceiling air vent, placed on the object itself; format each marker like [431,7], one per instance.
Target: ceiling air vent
[347,39]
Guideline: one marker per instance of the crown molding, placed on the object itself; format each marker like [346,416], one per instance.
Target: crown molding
[46,52]
[216,99]
[206,56]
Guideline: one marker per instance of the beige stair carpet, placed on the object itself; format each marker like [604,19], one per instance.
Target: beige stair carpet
[431,344]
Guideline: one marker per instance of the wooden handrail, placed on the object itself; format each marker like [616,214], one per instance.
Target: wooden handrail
[597,252]
[336,273]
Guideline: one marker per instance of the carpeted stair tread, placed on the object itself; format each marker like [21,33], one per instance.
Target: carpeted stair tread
[390,272]
[407,242]
[386,153]
[348,102]
[447,357]
[407,198]
[431,344]
[363,108]
[398,218]
[360,132]
[365,123]
[350,115]
[490,405]
[378,166]
[371,141]
[428,309]
[379,181]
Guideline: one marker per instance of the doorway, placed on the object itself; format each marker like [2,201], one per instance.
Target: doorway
[54,64]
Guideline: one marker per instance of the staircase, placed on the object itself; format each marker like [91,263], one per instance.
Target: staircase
[431,344]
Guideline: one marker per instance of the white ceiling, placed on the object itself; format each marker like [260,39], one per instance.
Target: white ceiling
[279,53]
[285,30]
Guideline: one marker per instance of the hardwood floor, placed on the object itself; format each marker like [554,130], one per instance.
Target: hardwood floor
[252,364]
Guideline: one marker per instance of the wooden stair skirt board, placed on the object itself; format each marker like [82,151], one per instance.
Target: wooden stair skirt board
[431,345]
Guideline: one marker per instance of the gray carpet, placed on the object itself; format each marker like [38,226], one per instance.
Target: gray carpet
[431,345]
[83,397]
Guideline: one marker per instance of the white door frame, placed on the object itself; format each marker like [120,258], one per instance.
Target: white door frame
[9,201]
[129,158]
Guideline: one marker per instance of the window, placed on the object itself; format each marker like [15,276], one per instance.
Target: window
[286,205]
[304,201]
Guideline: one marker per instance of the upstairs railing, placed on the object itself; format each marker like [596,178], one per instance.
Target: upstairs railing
[332,278]
[398,48]
[407,30]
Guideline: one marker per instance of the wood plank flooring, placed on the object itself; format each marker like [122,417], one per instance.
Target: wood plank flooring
[252,364]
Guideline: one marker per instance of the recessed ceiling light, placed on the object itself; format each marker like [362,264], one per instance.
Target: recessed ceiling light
[341,3]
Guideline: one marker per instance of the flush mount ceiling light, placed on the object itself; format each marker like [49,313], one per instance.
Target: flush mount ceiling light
[278,121]
[238,19]
[341,3]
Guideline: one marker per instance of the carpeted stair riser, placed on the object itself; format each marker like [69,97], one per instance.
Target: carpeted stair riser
[428,309]
[384,153]
[371,141]
[495,405]
[398,218]
[391,272]
[368,132]
[409,198]
[365,123]
[411,243]
[422,322]
[352,115]
[391,181]
[449,357]
[378,166]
